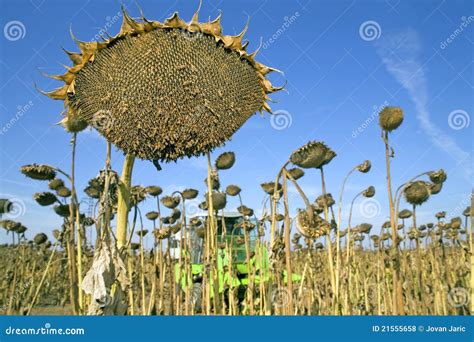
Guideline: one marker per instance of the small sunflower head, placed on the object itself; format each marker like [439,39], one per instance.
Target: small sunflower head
[73,124]
[170,202]
[364,228]
[269,187]
[440,214]
[325,201]
[417,193]
[311,228]
[45,198]
[154,190]
[142,232]
[233,190]
[10,225]
[62,210]
[314,154]
[364,167]
[55,183]
[438,177]
[39,172]
[435,188]
[5,206]
[390,118]
[152,215]
[225,161]
[92,192]
[63,192]
[175,214]
[215,182]
[456,223]
[244,210]
[137,195]
[369,192]
[40,238]
[404,214]
[296,173]
[190,194]
[467,211]
[219,200]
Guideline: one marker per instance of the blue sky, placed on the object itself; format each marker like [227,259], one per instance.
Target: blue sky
[341,60]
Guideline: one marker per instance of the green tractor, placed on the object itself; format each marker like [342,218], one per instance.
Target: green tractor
[233,268]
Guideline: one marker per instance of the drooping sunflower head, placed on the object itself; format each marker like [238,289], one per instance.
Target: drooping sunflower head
[417,192]
[164,90]
[314,154]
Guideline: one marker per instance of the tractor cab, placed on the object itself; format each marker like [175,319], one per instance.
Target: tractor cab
[230,232]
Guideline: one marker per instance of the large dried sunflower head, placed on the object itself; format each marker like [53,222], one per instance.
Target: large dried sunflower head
[390,118]
[39,172]
[165,90]
[314,154]
[417,192]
